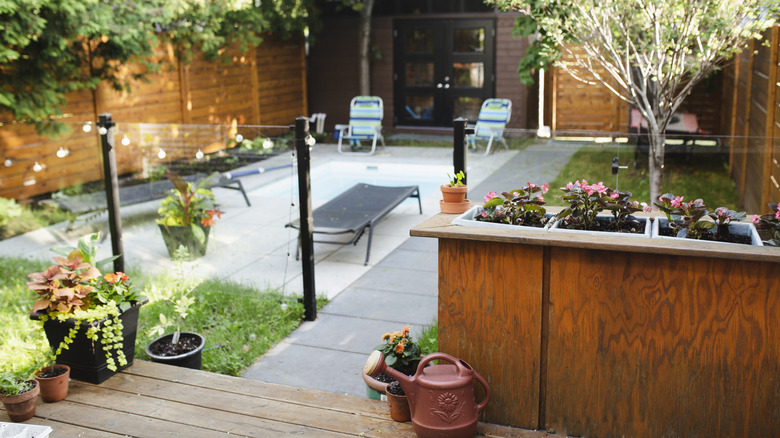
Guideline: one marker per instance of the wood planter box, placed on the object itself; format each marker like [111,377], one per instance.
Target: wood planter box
[613,336]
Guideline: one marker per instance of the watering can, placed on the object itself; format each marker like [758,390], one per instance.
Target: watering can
[441,397]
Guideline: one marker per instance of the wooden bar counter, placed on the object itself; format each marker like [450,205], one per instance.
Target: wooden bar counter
[613,336]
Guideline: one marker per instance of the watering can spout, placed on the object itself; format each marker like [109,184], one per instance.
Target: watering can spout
[375,364]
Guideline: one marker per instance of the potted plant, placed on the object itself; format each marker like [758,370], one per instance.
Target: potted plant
[454,195]
[179,348]
[694,220]
[188,213]
[586,201]
[90,319]
[53,379]
[770,224]
[19,393]
[402,354]
[524,207]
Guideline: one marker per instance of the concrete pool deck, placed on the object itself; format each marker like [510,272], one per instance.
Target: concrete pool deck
[251,245]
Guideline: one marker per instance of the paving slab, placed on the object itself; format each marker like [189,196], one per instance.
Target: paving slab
[382,306]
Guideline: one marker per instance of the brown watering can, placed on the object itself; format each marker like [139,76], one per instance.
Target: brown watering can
[441,397]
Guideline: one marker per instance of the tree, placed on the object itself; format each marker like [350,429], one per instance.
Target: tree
[649,53]
[53,47]
[365,8]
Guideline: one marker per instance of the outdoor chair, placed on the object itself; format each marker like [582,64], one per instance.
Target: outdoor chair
[682,133]
[492,120]
[365,123]
[355,210]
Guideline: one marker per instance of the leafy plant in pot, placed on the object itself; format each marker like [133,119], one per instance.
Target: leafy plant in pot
[90,319]
[770,224]
[188,213]
[586,201]
[518,207]
[402,354]
[19,394]
[178,348]
[454,195]
[694,220]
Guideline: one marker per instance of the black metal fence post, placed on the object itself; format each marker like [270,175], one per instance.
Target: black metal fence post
[306,221]
[459,151]
[106,127]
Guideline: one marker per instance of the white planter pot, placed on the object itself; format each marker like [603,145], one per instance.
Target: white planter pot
[737,228]
[467,219]
[556,228]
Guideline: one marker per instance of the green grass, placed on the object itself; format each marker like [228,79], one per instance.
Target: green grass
[32,218]
[705,177]
[242,322]
[429,338]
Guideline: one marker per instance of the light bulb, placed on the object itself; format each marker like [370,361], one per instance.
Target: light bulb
[102,130]
[87,127]
[199,154]
[62,152]
[8,162]
[161,154]
[37,167]
[268,143]
[125,140]
[239,138]
[310,141]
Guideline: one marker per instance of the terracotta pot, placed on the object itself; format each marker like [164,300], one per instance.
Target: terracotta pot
[454,199]
[21,407]
[53,389]
[399,407]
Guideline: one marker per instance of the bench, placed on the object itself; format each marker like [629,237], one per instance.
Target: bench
[355,210]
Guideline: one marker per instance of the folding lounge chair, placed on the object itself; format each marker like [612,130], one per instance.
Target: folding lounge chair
[493,117]
[682,132]
[365,122]
[358,208]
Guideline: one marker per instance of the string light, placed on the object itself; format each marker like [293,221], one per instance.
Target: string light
[161,154]
[8,162]
[239,138]
[125,141]
[268,143]
[87,127]
[310,141]
[102,130]
[37,167]
[62,152]
[199,154]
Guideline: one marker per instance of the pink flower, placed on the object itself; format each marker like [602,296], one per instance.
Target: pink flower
[569,185]
[539,196]
[484,213]
[614,195]
[515,194]
[721,211]
[646,208]
[677,201]
[600,188]
[490,196]
[777,214]
[755,219]
[545,187]
[530,185]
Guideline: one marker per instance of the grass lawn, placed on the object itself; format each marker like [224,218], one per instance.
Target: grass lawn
[705,177]
[239,323]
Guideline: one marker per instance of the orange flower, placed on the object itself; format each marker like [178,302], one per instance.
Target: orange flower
[111,278]
[406,330]
[386,336]
[400,347]
[397,334]
[123,276]
[207,222]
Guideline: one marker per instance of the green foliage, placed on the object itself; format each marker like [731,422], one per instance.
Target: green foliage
[585,201]
[49,48]
[16,383]
[517,207]
[456,180]
[190,204]
[770,223]
[429,339]
[29,218]
[177,295]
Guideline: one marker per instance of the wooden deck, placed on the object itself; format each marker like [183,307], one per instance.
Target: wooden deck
[154,400]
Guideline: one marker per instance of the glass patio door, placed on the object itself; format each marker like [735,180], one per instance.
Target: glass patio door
[444,69]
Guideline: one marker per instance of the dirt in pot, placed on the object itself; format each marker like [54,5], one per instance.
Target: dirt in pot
[395,388]
[51,372]
[610,225]
[384,378]
[710,236]
[165,348]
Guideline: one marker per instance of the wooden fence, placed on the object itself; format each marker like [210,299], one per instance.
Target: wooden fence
[266,85]
[751,115]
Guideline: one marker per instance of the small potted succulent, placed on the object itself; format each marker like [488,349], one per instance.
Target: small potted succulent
[188,213]
[587,201]
[454,195]
[19,394]
[694,220]
[90,319]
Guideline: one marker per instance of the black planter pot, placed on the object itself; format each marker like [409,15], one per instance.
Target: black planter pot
[176,235]
[191,359]
[86,359]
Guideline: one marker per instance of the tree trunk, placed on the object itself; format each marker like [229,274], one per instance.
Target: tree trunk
[364,46]
[655,164]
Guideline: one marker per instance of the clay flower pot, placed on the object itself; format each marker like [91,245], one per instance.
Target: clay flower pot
[399,407]
[53,389]
[21,407]
[454,199]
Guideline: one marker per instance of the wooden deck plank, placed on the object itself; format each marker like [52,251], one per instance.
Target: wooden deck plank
[153,400]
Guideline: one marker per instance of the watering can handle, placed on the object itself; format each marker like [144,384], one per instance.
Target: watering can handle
[485,385]
[435,356]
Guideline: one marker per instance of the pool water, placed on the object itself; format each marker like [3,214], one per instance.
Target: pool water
[330,179]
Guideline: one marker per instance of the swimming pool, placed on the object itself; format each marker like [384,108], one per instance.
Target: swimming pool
[330,179]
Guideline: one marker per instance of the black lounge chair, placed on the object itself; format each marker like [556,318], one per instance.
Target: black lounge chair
[358,208]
